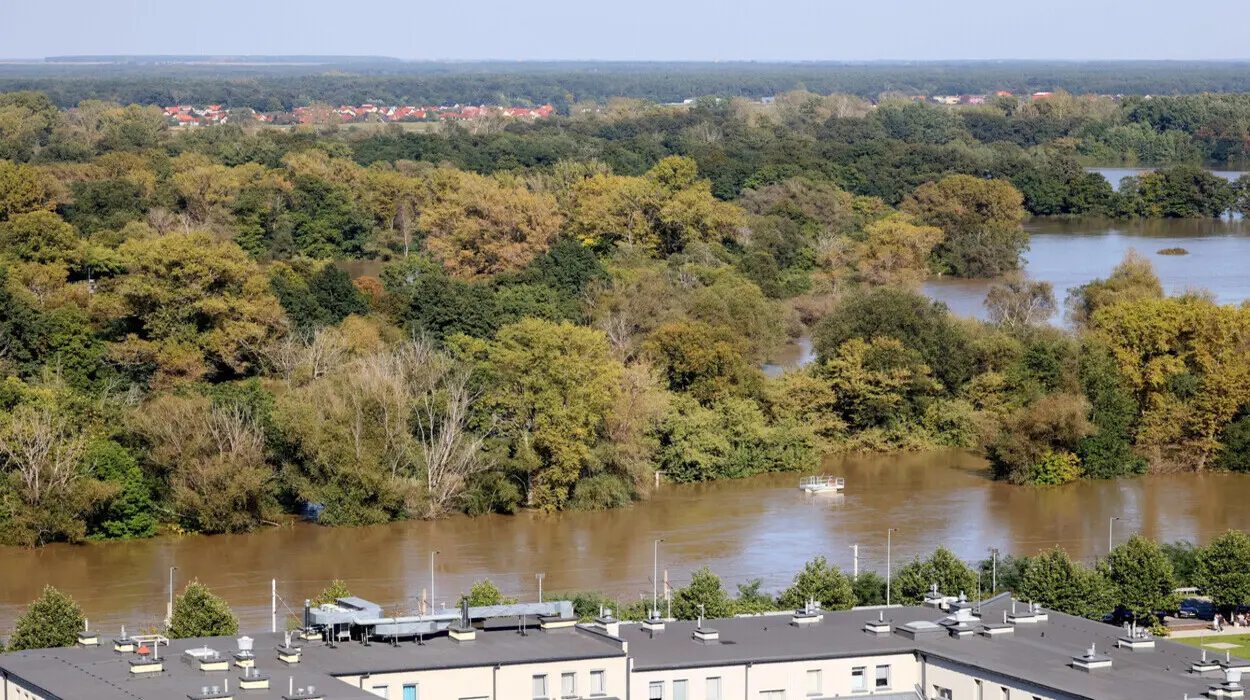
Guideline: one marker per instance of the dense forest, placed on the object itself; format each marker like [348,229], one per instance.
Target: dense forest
[271,87]
[560,310]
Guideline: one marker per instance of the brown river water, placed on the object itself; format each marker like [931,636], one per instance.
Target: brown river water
[761,527]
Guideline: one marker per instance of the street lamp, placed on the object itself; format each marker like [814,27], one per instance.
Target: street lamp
[1111,533]
[540,586]
[655,586]
[855,570]
[889,536]
[432,579]
[994,570]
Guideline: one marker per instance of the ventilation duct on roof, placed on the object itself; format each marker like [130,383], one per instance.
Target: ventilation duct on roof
[1204,665]
[1230,689]
[253,679]
[879,626]
[809,615]
[1091,660]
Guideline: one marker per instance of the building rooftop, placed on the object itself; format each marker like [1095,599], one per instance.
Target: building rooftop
[100,673]
[1039,653]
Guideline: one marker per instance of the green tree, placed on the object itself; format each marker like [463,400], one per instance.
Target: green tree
[751,599]
[869,588]
[818,581]
[52,620]
[551,389]
[1134,278]
[1141,576]
[943,568]
[337,589]
[1224,569]
[199,613]
[704,589]
[484,593]
[981,219]
[1056,582]
[129,514]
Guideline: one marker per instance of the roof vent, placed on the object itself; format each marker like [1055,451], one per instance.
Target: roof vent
[810,614]
[288,654]
[653,625]
[253,679]
[1091,660]
[1230,689]
[934,599]
[1204,665]
[205,659]
[607,624]
[878,626]
[214,692]
[124,644]
[1027,616]
[705,635]
[1135,639]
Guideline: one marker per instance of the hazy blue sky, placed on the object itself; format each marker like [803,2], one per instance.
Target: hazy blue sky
[637,29]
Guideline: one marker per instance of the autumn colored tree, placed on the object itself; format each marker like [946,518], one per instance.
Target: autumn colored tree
[706,361]
[981,219]
[1134,278]
[482,226]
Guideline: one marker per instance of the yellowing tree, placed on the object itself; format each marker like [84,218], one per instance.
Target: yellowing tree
[195,303]
[478,226]
[896,251]
[981,219]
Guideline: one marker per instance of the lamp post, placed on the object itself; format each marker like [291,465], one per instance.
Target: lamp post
[889,537]
[1111,533]
[432,578]
[993,570]
[169,613]
[655,585]
[540,586]
[855,570]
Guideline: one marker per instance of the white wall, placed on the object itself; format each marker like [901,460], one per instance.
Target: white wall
[741,683]
[512,682]
[961,680]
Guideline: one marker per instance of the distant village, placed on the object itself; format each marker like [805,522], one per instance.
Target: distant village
[187,115]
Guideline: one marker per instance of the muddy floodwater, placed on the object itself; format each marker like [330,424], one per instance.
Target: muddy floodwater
[762,527]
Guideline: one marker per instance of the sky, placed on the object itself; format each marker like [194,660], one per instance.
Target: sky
[764,30]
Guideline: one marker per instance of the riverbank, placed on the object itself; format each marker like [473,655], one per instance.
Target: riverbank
[761,527]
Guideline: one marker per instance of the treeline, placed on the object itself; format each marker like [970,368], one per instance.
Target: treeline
[1136,581]
[270,87]
[555,314]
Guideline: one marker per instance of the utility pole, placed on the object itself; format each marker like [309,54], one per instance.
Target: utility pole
[889,536]
[432,578]
[855,575]
[1111,534]
[273,605]
[655,581]
[540,586]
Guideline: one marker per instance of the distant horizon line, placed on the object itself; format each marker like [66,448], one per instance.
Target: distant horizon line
[323,59]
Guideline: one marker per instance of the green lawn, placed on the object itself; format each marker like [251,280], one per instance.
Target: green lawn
[1242,642]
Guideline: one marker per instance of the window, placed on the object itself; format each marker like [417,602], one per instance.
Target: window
[772,695]
[679,689]
[539,686]
[568,685]
[857,679]
[943,693]
[713,689]
[883,677]
[655,690]
[813,682]
[380,690]
[597,684]
[410,691]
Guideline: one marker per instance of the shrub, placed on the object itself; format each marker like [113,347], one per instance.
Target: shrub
[601,492]
[199,613]
[491,492]
[1057,468]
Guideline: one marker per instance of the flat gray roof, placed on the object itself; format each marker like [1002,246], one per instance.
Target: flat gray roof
[1038,654]
[102,674]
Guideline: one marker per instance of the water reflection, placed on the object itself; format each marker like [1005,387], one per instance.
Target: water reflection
[763,527]
[1069,253]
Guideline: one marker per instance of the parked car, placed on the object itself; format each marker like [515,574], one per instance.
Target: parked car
[1196,608]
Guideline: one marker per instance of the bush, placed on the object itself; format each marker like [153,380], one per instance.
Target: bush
[1057,468]
[486,593]
[601,492]
[491,492]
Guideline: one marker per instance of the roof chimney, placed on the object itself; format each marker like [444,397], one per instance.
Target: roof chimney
[879,626]
[608,624]
[810,614]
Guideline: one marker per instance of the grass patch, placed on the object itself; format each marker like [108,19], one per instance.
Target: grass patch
[1242,642]
[1173,251]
